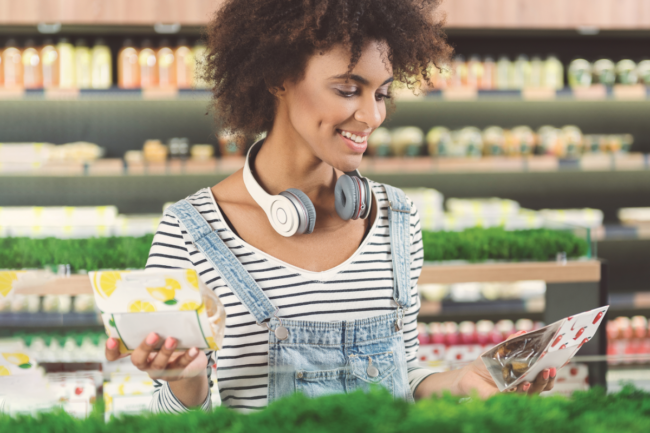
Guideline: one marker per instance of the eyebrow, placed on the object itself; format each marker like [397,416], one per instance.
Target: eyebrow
[360,79]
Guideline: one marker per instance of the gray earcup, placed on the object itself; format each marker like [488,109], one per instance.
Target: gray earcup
[368,198]
[305,208]
[346,197]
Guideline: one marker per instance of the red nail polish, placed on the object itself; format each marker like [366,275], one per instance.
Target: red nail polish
[553,372]
[170,343]
[526,387]
[545,374]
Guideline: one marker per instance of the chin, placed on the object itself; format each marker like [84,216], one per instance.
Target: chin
[348,162]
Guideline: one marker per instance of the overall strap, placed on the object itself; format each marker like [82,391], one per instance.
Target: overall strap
[224,261]
[399,221]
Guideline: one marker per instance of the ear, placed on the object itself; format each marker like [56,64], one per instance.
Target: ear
[278,91]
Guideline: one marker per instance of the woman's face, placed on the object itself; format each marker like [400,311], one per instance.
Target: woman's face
[335,113]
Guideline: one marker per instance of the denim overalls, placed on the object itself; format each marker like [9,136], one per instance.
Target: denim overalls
[318,358]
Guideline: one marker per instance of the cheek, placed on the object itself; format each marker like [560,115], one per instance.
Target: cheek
[319,112]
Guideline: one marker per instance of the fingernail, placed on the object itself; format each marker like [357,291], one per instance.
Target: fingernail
[111,343]
[193,352]
[170,343]
[553,372]
[545,374]
[526,386]
[152,339]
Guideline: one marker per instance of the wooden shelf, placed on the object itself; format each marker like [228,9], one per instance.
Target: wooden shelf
[441,274]
[551,14]
[551,272]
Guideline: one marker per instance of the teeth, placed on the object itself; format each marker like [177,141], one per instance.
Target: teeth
[353,137]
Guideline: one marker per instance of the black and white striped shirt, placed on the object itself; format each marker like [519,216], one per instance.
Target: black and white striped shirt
[359,288]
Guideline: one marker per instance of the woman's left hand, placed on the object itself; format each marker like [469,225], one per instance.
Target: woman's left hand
[476,378]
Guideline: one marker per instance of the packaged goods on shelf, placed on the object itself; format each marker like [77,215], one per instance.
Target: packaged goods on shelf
[504,74]
[473,292]
[628,337]
[471,142]
[127,396]
[590,218]
[24,157]
[62,222]
[634,215]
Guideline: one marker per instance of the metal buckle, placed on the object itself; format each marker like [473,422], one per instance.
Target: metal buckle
[390,205]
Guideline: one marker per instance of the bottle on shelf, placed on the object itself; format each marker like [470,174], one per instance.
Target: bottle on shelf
[580,73]
[520,72]
[200,52]
[475,72]
[487,81]
[459,71]
[66,64]
[502,79]
[185,65]
[536,72]
[626,71]
[83,65]
[32,67]
[101,61]
[166,69]
[553,73]
[604,72]
[50,61]
[128,68]
[12,63]
[148,66]
[643,71]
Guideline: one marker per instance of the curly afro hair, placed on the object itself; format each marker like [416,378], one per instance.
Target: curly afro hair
[255,45]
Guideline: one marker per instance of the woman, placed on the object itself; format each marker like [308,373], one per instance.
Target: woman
[336,309]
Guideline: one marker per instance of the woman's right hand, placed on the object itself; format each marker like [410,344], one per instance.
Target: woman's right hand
[162,363]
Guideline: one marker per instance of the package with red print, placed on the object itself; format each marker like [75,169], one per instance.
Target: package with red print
[524,357]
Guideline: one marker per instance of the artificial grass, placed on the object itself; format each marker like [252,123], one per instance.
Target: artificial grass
[479,244]
[474,245]
[627,411]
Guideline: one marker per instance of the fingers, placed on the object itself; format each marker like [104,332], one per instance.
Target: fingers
[112,350]
[540,382]
[551,380]
[140,356]
[516,334]
[160,361]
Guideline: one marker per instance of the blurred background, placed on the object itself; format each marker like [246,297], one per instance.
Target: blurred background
[528,159]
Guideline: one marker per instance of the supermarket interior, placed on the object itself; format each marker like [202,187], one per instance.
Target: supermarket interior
[527,158]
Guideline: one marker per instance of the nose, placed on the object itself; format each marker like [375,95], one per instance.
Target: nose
[370,112]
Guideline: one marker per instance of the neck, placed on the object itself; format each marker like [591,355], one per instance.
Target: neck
[287,161]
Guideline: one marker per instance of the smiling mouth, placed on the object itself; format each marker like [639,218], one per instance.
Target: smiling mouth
[359,139]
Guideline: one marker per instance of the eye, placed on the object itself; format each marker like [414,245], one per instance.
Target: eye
[346,93]
[380,96]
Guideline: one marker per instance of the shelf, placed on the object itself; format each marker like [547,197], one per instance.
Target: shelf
[49,320]
[551,272]
[103,94]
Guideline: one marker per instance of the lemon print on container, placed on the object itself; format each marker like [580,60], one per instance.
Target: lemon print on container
[192,278]
[7,281]
[107,283]
[192,306]
[4,371]
[19,359]
[167,293]
[141,307]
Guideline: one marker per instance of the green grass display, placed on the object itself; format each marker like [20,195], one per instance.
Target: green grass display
[89,254]
[476,244]
[376,412]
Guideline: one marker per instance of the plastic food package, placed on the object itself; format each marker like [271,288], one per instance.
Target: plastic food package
[172,303]
[524,357]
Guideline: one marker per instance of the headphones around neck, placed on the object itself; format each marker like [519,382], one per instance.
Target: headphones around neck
[292,212]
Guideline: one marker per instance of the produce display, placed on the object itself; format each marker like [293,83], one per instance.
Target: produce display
[625,411]
[439,141]
[62,65]
[474,245]
[628,337]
